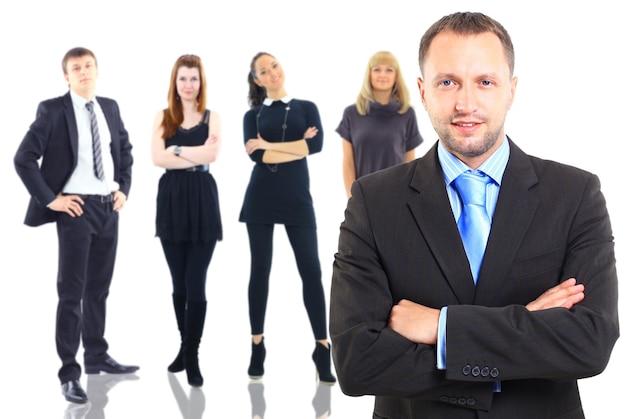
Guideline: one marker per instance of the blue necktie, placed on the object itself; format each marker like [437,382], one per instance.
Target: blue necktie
[98,169]
[474,224]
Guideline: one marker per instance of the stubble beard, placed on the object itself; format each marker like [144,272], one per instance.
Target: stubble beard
[468,146]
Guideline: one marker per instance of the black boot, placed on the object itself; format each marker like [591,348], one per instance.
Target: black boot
[255,370]
[321,357]
[194,326]
[179,309]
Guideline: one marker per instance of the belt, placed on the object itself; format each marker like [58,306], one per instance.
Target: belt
[200,168]
[102,198]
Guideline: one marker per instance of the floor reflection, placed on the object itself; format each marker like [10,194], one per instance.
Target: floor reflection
[257,399]
[98,387]
[321,400]
[192,404]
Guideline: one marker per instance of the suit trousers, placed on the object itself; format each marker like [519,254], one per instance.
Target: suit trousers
[87,250]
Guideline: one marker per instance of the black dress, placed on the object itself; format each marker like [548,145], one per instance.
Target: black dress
[280,193]
[187,202]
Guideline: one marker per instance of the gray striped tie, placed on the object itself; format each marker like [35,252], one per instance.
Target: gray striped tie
[97,149]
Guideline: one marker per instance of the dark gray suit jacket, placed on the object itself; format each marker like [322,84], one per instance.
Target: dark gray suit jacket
[399,241]
[53,138]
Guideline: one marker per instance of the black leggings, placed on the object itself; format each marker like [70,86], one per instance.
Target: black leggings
[188,263]
[303,241]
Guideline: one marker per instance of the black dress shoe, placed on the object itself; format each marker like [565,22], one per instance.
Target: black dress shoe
[111,366]
[73,392]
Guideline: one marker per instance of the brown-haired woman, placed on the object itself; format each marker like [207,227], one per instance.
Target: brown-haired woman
[279,133]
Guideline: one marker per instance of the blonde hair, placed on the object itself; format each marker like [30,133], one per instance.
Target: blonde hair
[400,91]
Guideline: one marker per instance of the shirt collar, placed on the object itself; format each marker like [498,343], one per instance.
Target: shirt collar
[78,100]
[284,99]
[494,166]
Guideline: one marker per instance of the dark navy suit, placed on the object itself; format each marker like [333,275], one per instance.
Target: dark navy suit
[44,161]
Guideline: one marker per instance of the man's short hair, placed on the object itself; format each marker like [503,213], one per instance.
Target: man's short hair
[77,53]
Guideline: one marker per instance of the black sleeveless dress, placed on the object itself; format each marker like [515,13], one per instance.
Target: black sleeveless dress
[187,202]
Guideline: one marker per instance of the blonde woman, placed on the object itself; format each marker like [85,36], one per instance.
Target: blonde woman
[379,130]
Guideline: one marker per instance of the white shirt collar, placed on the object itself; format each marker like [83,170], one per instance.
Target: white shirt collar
[284,99]
[79,100]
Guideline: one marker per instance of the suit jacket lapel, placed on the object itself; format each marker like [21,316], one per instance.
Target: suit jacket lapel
[107,114]
[433,214]
[72,129]
[513,214]
[113,131]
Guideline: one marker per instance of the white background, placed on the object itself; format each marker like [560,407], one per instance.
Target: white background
[569,107]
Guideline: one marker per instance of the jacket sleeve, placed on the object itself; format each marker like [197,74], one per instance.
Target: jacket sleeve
[29,153]
[369,357]
[555,344]
[124,172]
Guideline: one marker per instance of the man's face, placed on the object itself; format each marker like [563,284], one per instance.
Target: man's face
[81,75]
[467,91]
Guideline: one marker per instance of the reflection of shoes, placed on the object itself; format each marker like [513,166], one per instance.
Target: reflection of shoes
[102,383]
[256,390]
[73,392]
[98,386]
[191,406]
[196,404]
[77,411]
[321,400]
[111,366]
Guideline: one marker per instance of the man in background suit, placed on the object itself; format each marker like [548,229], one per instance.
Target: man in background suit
[56,164]
[409,321]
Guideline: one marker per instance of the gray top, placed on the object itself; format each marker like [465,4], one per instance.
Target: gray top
[381,138]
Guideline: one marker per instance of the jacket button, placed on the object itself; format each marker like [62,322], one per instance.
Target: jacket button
[476,371]
[494,372]
[471,401]
[467,369]
[462,401]
[485,372]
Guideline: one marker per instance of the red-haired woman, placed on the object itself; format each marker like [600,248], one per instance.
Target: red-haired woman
[186,139]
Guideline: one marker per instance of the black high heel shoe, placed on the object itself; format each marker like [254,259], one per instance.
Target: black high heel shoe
[321,357]
[255,370]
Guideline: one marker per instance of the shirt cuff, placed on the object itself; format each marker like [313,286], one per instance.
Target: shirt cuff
[441,339]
